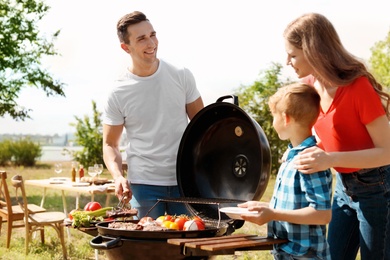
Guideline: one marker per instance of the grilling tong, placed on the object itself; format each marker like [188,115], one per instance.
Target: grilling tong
[122,210]
[122,204]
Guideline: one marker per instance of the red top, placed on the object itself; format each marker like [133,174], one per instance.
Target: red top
[342,127]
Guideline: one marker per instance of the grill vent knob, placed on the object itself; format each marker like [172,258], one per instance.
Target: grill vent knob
[240,165]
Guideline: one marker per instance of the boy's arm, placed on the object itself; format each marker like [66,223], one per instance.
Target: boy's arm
[306,216]
[316,189]
[303,216]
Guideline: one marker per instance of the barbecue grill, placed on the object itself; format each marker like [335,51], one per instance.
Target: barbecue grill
[223,159]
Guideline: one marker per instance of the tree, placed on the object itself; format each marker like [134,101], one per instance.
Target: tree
[23,152]
[254,101]
[21,51]
[380,61]
[89,135]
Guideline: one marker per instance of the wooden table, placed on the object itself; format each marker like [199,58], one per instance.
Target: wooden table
[76,187]
[224,245]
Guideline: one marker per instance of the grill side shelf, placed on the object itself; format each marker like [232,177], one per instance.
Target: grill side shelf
[225,244]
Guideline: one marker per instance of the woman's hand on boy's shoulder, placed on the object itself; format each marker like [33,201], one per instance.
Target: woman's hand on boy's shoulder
[312,160]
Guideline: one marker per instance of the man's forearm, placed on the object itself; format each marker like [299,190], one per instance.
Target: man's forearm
[113,160]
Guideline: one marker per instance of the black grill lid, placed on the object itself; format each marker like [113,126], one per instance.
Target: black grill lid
[223,154]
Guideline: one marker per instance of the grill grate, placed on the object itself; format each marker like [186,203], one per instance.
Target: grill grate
[213,201]
[208,201]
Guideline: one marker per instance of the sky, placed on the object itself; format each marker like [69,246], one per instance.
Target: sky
[226,44]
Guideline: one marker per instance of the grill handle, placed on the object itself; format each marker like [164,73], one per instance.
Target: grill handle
[97,243]
[238,223]
[235,99]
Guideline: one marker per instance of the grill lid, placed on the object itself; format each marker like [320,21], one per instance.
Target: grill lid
[223,155]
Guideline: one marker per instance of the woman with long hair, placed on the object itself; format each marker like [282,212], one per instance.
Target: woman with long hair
[353,135]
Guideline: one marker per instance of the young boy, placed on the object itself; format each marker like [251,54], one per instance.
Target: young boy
[300,206]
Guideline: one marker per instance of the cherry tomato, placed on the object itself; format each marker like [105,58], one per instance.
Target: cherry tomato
[166,224]
[86,207]
[95,206]
[160,220]
[197,218]
[194,225]
[168,218]
[174,226]
[170,225]
[92,206]
[180,221]
[70,216]
[201,225]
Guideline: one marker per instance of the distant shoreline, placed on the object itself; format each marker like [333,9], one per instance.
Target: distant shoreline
[56,153]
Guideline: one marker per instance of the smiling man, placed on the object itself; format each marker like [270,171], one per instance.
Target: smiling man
[153,101]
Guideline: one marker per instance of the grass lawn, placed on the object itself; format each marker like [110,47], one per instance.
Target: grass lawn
[78,242]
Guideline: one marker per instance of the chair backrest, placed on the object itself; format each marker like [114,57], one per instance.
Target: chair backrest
[5,199]
[17,182]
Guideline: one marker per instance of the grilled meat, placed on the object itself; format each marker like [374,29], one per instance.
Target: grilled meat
[122,213]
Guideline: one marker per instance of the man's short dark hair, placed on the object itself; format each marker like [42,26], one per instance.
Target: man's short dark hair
[127,20]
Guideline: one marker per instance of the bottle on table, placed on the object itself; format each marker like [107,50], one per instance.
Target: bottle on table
[81,172]
[73,173]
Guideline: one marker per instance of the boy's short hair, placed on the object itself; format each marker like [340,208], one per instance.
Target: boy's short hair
[299,101]
[127,20]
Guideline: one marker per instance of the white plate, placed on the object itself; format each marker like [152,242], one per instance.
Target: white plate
[236,212]
[59,179]
[80,184]
[56,182]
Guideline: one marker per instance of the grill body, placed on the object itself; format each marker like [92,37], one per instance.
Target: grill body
[223,159]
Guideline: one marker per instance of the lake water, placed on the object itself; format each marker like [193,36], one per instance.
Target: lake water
[56,153]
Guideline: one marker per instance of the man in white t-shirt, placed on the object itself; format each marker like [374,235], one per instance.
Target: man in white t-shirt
[153,101]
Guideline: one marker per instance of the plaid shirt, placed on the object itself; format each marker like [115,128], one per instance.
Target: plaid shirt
[294,190]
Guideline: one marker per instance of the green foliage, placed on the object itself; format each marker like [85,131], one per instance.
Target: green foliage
[380,61]
[21,51]
[22,152]
[89,136]
[5,152]
[254,101]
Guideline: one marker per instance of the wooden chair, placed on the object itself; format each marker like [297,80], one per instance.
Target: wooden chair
[38,221]
[12,214]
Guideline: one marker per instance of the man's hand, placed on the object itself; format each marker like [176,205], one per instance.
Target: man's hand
[122,188]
